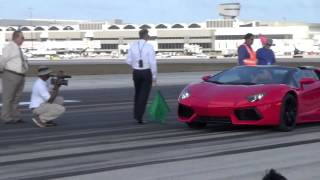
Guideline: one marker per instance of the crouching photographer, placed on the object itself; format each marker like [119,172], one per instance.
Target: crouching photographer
[46,105]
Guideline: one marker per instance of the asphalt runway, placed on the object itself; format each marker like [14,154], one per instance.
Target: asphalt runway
[98,139]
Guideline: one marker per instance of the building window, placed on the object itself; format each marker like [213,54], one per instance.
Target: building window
[176,26]
[247,25]
[75,39]
[109,46]
[161,26]
[68,28]
[113,27]
[109,39]
[201,37]
[145,26]
[280,36]
[130,38]
[53,28]
[11,29]
[25,29]
[170,38]
[220,23]
[91,26]
[240,37]
[170,45]
[129,27]
[194,26]
[229,37]
[39,29]
[204,45]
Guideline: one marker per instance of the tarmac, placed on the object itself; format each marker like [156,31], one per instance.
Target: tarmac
[118,66]
[87,82]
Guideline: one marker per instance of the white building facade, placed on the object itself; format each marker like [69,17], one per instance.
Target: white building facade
[211,36]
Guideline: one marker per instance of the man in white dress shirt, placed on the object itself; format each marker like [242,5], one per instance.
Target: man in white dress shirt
[141,57]
[15,67]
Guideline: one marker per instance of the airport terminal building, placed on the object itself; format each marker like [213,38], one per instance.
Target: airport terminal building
[63,36]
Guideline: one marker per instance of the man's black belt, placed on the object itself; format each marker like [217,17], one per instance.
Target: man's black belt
[16,73]
[141,69]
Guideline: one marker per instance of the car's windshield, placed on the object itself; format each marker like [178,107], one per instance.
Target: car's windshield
[253,75]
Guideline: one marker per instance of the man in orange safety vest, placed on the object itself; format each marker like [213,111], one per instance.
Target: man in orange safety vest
[246,55]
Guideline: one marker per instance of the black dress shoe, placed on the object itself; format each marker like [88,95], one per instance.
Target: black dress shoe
[19,121]
[9,122]
[140,121]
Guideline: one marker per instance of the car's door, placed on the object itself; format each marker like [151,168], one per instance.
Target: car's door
[309,101]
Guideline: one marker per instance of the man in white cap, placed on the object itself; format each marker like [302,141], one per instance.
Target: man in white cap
[265,55]
[45,105]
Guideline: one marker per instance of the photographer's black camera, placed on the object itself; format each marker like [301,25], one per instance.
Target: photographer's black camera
[60,79]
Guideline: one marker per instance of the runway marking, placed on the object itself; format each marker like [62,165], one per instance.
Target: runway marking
[65,101]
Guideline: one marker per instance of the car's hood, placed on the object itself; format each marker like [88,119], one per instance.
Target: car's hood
[228,95]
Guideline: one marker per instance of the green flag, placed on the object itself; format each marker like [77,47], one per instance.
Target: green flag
[158,109]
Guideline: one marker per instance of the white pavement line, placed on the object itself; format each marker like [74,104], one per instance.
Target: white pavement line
[65,101]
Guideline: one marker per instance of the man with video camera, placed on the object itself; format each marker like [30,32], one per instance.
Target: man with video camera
[45,105]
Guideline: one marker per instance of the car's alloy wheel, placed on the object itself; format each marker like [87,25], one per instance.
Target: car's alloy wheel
[197,125]
[288,113]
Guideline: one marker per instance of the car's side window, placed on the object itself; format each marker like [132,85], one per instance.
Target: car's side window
[297,76]
[280,76]
[317,73]
[308,73]
[305,73]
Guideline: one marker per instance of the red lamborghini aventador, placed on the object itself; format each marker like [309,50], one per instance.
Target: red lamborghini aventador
[246,95]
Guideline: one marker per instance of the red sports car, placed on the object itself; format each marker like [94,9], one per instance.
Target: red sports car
[253,95]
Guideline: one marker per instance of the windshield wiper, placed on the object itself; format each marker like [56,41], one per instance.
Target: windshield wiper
[247,83]
[241,83]
[216,82]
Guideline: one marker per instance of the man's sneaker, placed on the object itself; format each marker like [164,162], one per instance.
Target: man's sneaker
[38,122]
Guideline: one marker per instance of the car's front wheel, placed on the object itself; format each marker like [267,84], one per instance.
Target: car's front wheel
[197,125]
[288,113]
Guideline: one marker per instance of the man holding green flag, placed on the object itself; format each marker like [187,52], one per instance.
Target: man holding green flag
[141,57]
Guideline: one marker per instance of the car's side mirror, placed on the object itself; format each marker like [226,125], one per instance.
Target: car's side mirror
[206,78]
[305,81]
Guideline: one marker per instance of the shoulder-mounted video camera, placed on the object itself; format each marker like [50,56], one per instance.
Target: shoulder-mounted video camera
[59,78]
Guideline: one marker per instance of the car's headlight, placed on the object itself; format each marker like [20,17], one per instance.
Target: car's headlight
[255,97]
[184,94]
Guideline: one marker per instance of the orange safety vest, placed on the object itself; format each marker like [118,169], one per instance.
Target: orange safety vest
[252,60]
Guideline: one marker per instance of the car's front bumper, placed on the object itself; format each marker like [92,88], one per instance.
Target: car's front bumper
[249,114]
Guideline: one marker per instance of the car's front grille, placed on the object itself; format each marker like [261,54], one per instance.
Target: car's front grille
[185,111]
[215,120]
[250,114]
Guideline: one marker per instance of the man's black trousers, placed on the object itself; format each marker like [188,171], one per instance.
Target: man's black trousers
[142,83]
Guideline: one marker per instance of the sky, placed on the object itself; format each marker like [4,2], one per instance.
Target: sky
[159,11]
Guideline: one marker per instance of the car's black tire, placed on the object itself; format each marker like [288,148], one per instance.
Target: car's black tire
[197,125]
[288,114]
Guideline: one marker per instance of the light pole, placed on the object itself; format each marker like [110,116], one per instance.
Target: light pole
[31,23]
